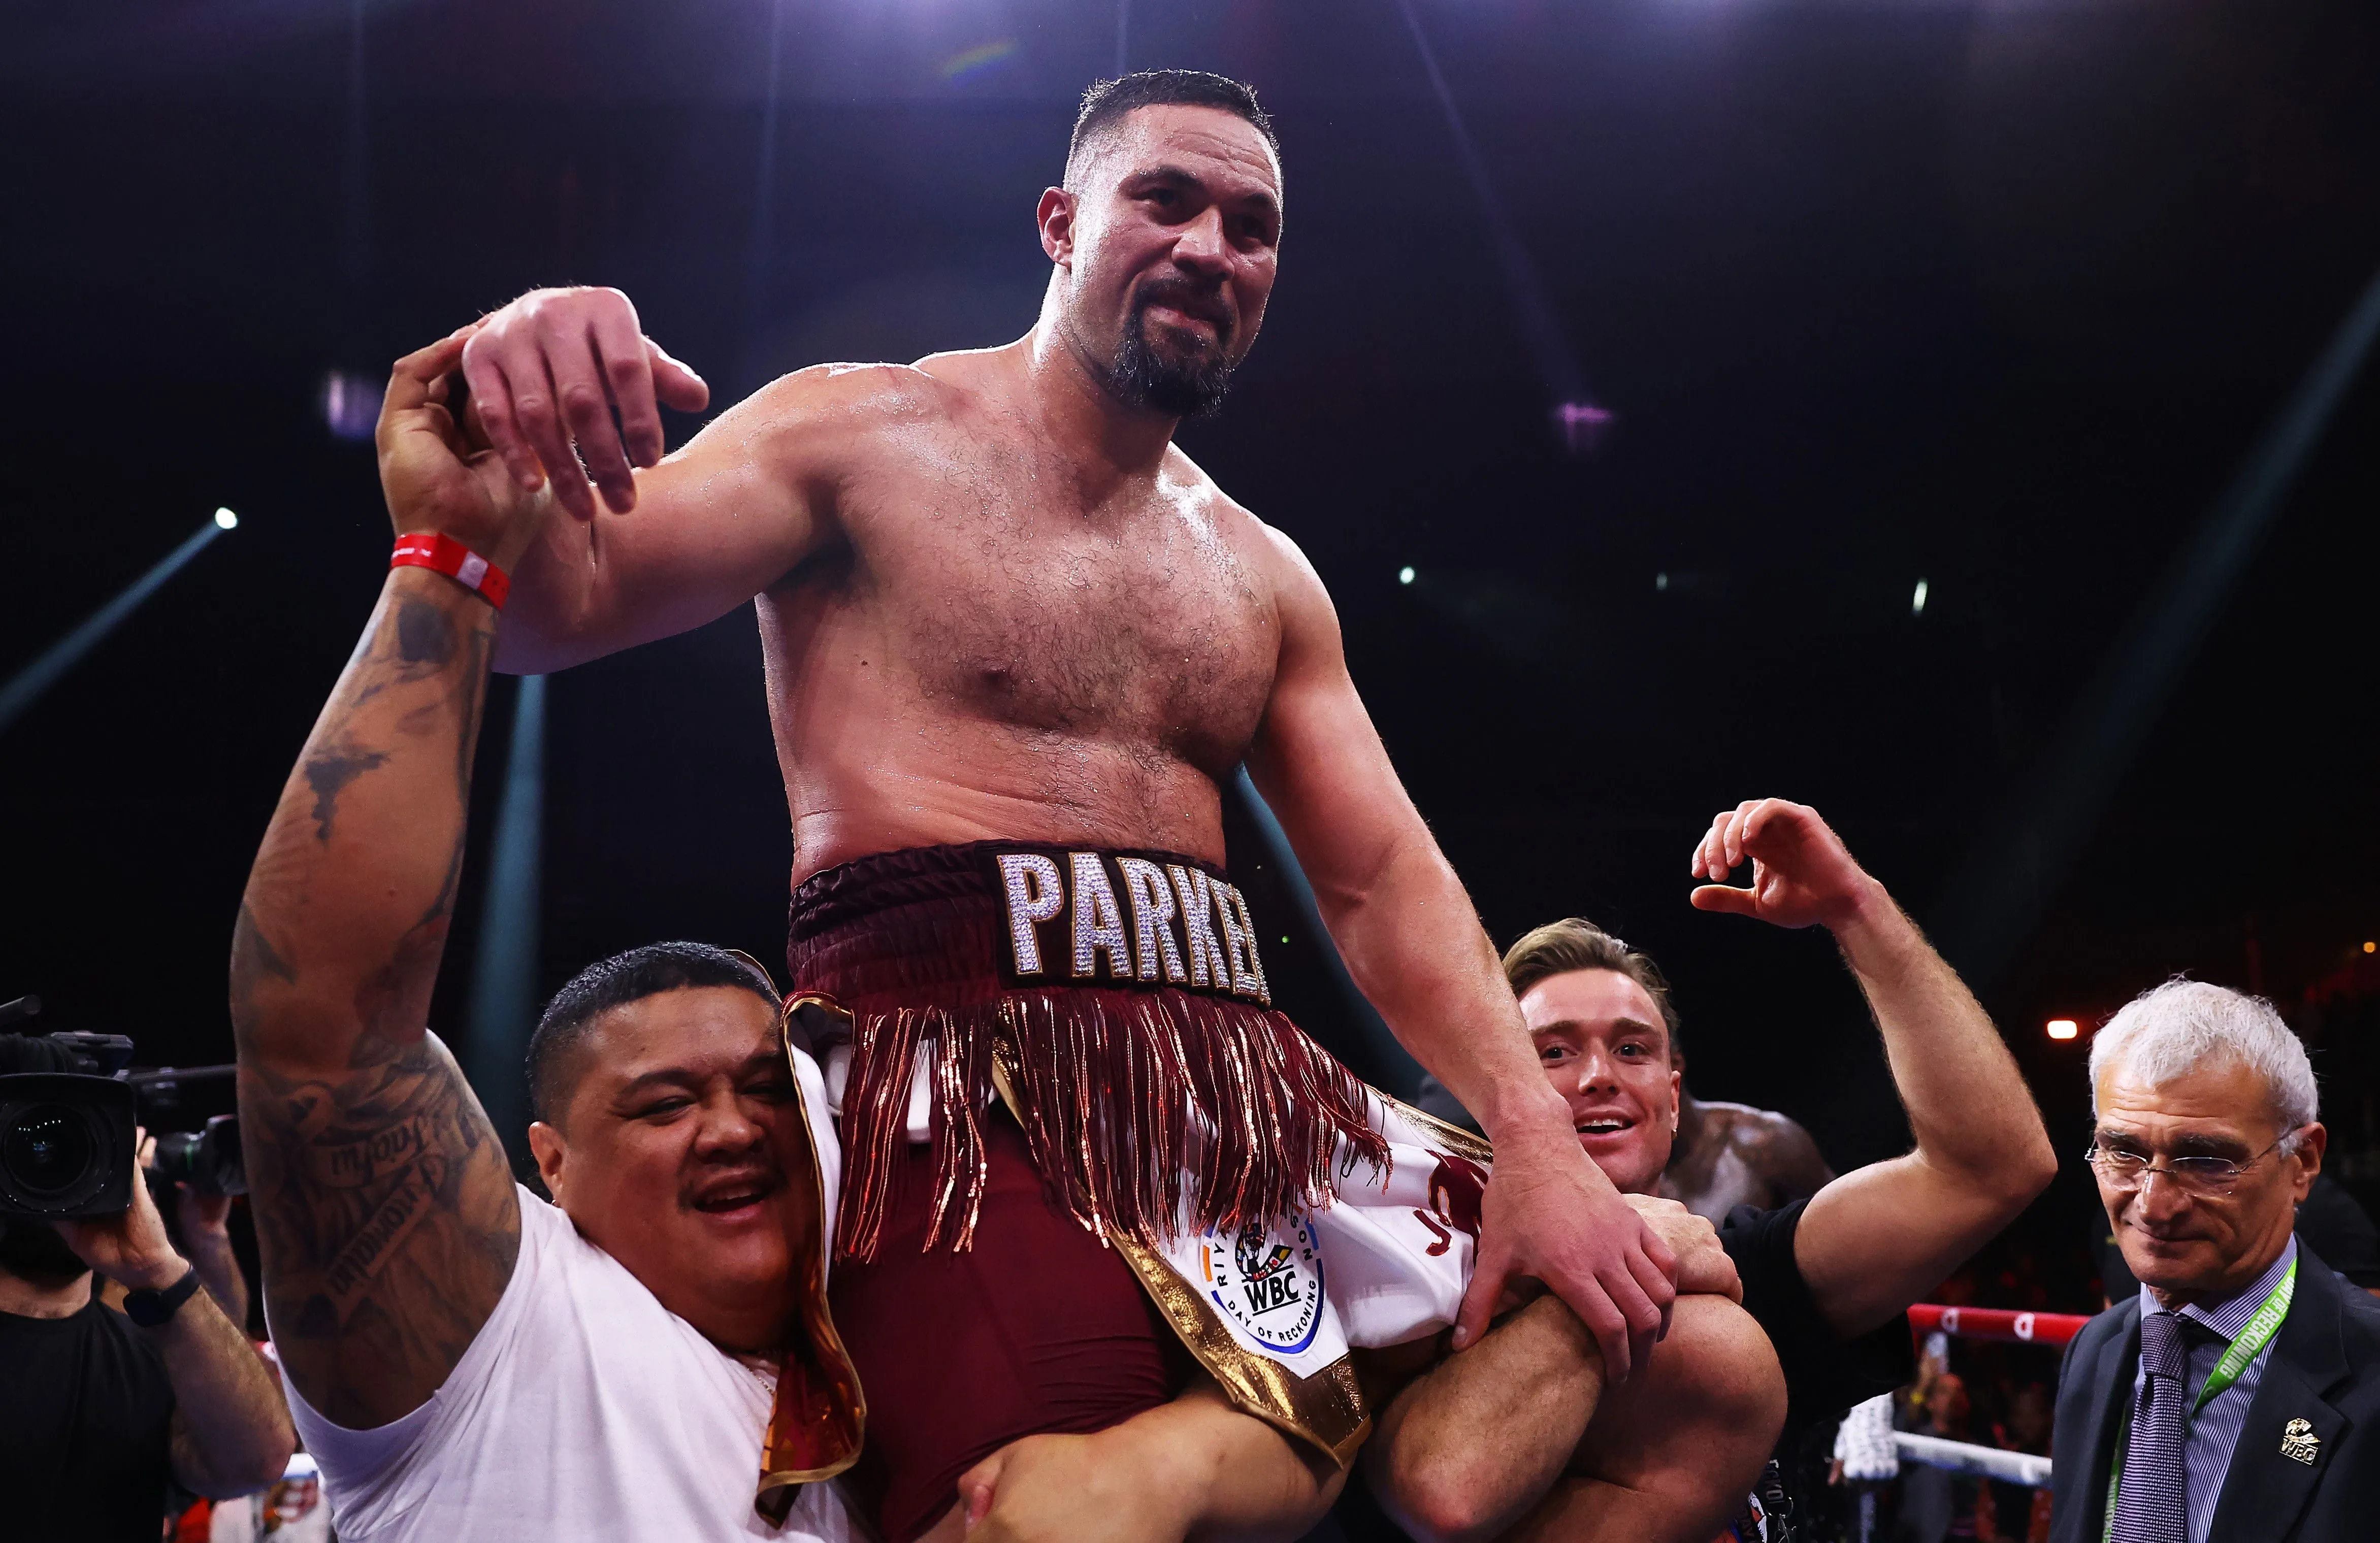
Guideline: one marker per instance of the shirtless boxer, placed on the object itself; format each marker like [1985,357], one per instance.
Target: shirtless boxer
[1827,1280]
[470,1362]
[1729,1155]
[1013,639]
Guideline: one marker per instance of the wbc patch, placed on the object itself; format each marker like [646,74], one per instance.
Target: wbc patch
[1105,918]
[1267,1281]
[1263,1285]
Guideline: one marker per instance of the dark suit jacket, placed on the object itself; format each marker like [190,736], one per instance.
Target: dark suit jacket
[2324,1369]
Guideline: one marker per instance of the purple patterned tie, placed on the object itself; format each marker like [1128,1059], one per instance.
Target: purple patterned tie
[2151,1507]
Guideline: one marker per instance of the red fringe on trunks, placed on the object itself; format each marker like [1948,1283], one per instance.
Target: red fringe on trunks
[1134,1098]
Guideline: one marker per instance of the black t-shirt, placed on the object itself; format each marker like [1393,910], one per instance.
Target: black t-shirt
[1824,1376]
[85,1415]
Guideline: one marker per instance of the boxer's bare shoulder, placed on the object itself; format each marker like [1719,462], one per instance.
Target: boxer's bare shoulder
[818,424]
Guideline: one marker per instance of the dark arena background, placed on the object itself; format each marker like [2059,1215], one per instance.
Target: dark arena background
[1952,414]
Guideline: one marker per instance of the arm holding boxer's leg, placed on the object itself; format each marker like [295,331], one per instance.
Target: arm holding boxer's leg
[1193,1468]
[1669,1457]
[1462,1452]
[1469,1448]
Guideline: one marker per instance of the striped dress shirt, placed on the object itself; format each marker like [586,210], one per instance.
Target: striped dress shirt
[2215,1430]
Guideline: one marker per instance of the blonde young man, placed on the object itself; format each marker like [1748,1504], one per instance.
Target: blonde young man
[1824,1281]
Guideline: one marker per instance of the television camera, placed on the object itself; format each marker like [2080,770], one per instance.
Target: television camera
[68,1138]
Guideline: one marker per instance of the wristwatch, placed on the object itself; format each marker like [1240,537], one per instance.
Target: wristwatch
[154,1309]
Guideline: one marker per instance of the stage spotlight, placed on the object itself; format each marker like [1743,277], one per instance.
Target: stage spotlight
[1661,582]
[2372,948]
[28,684]
[1404,576]
[1917,601]
[350,405]
[2064,1029]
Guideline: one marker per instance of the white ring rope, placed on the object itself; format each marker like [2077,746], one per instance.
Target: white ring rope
[2009,1467]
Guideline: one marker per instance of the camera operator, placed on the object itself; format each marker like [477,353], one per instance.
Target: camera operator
[103,1407]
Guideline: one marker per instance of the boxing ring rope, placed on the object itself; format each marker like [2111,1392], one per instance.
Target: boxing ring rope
[1964,1457]
[1872,1421]
[1997,1323]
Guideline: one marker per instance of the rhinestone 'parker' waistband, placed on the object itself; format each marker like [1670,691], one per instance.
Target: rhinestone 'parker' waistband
[1065,917]
[1122,995]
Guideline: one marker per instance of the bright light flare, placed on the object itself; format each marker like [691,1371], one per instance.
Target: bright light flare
[1406,575]
[979,59]
[227,520]
[1917,601]
[2064,1029]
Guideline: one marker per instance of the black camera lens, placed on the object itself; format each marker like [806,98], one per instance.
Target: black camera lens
[208,1160]
[46,1149]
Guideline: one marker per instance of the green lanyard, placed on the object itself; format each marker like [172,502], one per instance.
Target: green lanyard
[2255,1336]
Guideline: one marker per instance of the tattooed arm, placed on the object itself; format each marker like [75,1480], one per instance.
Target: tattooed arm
[383,1202]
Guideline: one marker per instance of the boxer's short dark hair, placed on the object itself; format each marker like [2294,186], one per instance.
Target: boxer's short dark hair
[1108,101]
[614,982]
[1575,944]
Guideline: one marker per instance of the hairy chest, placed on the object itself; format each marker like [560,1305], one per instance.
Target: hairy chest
[1138,619]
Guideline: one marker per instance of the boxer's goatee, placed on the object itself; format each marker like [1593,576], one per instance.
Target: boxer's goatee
[1191,386]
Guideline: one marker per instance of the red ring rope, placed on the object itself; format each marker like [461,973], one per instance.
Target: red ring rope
[1997,1323]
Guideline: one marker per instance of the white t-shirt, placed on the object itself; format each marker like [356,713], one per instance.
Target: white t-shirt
[584,1409]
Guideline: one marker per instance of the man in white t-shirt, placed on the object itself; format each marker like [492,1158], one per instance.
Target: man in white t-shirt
[464,1359]
[649,1356]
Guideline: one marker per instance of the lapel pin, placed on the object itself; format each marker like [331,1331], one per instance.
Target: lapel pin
[2299,1442]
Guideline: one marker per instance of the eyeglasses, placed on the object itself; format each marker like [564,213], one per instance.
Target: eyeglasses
[2193,1176]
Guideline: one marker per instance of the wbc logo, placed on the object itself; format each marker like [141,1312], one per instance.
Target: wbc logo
[1267,1281]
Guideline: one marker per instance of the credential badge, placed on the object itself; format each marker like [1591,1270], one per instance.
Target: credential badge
[1267,1281]
[2298,1440]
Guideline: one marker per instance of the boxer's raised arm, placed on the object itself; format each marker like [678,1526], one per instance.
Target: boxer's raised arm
[1875,1239]
[383,1204]
[1415,945]
[689,537]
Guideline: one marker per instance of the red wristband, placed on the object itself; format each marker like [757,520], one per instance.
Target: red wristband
[444,554]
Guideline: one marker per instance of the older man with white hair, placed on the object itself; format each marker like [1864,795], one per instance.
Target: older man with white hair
[2237,1397]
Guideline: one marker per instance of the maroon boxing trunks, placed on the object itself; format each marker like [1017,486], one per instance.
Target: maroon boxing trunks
[1121,999]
